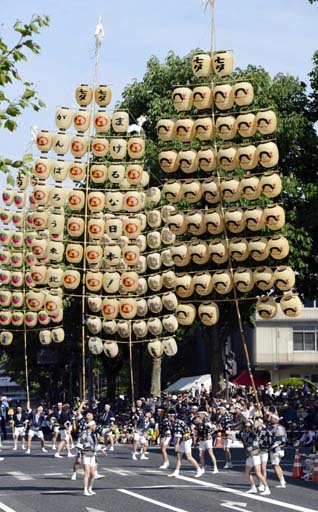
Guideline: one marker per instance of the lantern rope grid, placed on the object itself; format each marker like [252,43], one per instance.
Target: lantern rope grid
[218,143]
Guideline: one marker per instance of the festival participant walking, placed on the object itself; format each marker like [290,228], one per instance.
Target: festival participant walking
[264,441]
[253,460]
[54,418]
[183,442]
[36,419]
[279,439]
[224,424]
[88,446]
[205,430]
[19,423]
[164,427]
[65,423]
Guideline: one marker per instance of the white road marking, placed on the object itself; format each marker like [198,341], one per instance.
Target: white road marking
[121,472]
[235,506]
[89,509]
[282,504]
[149,500]
[20,476]
[5,508]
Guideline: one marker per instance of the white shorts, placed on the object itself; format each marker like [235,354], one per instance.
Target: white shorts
[109,433]
[137,436]
[164,441]
[19,431]
[226,443]
[65,435]
[276,457]
[253,460]
[37,433]
[205,445]
[185,446]
[90,460]
[56,429]
[264,457]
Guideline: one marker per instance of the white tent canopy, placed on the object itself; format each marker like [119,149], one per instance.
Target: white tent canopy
[187,383]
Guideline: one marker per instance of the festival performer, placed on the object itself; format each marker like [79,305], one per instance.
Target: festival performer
[88,446]
[164,428]
[19,422]
[205,429]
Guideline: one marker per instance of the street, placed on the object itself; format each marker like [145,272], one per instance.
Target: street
[39,482]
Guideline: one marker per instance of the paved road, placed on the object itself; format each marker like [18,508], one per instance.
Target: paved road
[39,482]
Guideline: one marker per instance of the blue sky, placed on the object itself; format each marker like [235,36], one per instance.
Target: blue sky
[280,35]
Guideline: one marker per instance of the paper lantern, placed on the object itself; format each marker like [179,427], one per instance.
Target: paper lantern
[54,276]
[225,127]
[100,147]
[98,173]
[154,218]
[5,236]
[167,237]
[28,280]
[145,179]
[253,216]
[176,223]
[184,286]
[95,345]
[94,303]
[129,281]
[155,349]
[185,314]
[94,324]
[141,266]
[222,63]
[132,201]
[182,98]
[109,326]
[110,308]
[171,191]
[94,280]
[132,227]
[246,124]
[155,282]
[43,317]
[120,121]
[199,252]
[79,146]
[118,149]
[17,259]
[83,95]
[22,180]
[243,93]
[266,307]
[134,173]
[180,254]
[52,303]
[202,282]
[201,65]
[222,281]
[101,122]
[278,247]
[136,147]
[5,298]
[17,318]
[188,160]
[102,95]
[131,254]
[154,239]
[191,191]
[274,217]
[111,282]
[142,307]
[45,337]
[238,249]
[110,349]
[266,122]
[250,187]
[18,219]
[123,328]
[112,255]
[247,157]
[154,327]
[76,200]
[243,279]
[114,200]
[168,160]
[263,278]
[208,313]
[206,159]
[230,189]
[30,318]
[223,97]
[57,197]
[267,154]
[271,184]
[291,305]
[56,221]
[58,335]
[5,318]
[34,300]
[142,218]
[38,273]
[19,199]
[170,323]
[8,196]
[234,219]
[114,227]
[55,251]
[214,222]
[40,248]
[140,328]
[6,338]
[155,262]
[204,128]
[155,306]
[5,276]
[44,141]
[40,219]
[59,170]
[258,248]
[77,171]
[168,279]
[57,319]
[210,189]
[63,118]
[184,130]
[75,226]
[218,251]
[284,278]
[17,239]
[61,144]
[169,301]
[93,254]
[96,228]
[202,97]
[96,201]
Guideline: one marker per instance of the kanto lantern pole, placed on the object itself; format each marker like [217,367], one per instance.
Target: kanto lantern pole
[131,370]
[26,366]
[205,4]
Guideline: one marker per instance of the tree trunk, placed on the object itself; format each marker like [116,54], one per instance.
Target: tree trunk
[155,389]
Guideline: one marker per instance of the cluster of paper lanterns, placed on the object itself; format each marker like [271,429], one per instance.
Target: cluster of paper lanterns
[231,157]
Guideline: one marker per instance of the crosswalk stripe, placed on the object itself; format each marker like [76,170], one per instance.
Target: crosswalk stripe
[20,476]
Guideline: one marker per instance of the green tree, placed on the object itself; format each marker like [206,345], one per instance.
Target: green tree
[12,108]
[297,141]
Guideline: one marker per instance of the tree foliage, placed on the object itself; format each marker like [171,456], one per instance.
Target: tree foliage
[12,107]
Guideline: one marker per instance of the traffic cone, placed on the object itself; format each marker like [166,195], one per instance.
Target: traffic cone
[297,469]
[218,441]
[315,471]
